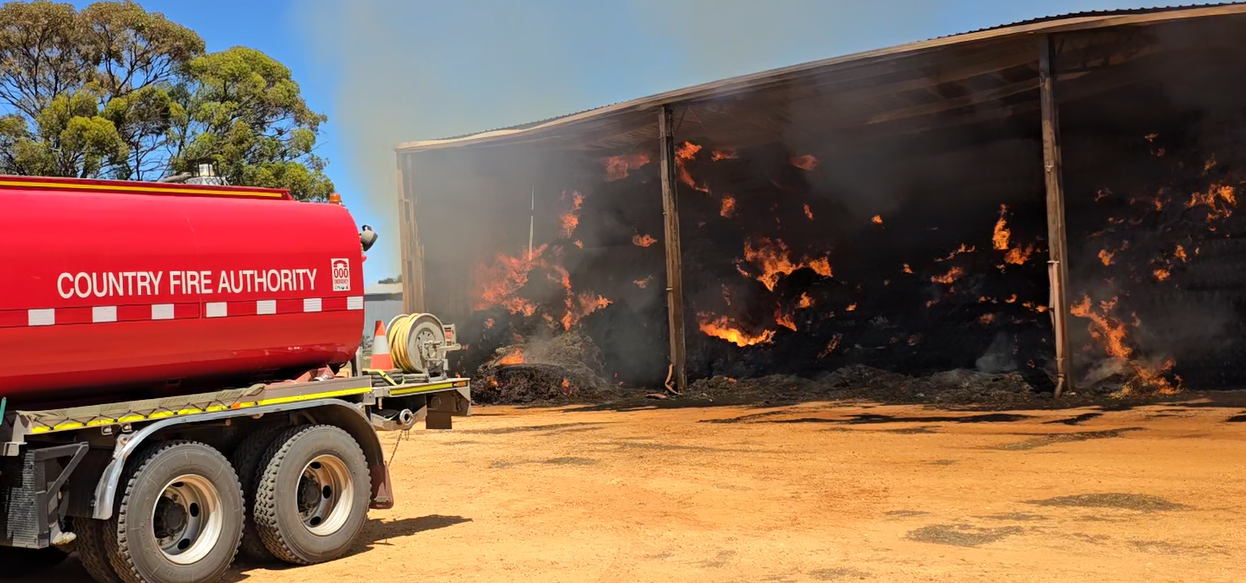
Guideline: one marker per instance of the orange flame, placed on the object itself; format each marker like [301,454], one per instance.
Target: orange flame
[851,308]
[784,320]
[728,207]
[986,318]
[774,261]
[618,167]
[499,283]
[1111,334]
[687,151]
[820,266]
[684,154]
[581,306]
[643,283]
[515,356]
[877,219]
[1000,237]
[1220,201]
[571,218]
[805,162]
[808,213]
[1105,256]
[643,240]
[579,243]
[1161,274]
[1180,254]
[962,249]
[952,275]
[725,328]
[1018,256]
[805,301]
[1011,299]
[1109,331]
[907,269]
[723,154]
[830,347]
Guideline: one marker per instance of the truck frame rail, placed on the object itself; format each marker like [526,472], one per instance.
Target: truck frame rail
[69,462]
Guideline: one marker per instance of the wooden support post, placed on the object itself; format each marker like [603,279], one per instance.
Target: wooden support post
[409,240]
[674,265]
[1057,239]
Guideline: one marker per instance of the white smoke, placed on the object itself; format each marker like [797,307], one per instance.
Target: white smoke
[408,70]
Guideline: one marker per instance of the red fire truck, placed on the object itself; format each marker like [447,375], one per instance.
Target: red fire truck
[180,381]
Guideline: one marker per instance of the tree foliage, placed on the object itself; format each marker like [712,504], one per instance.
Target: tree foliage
[114,91]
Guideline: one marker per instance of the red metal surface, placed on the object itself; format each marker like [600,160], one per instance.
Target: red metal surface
[108,341]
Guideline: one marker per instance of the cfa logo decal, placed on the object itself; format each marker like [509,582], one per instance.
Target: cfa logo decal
[341,275]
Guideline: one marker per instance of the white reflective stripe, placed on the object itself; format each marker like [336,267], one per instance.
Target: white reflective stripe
[216,310]
[354,303]
[104,314]
[266,307]
[162,311]
[40,317]
[311,305]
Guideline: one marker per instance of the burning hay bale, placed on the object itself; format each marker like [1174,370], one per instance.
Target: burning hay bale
[563,368]
[1155,275]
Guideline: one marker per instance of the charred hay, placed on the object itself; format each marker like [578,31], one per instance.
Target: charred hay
[565,368]
[858,382]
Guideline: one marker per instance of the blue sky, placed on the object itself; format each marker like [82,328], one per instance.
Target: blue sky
[388,71]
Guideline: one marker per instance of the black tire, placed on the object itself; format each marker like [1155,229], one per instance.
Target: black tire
[134,550]
[92,550]
[17,563]
[246,461]
[281,490]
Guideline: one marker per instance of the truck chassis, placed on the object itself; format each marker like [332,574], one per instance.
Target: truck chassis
[68,476]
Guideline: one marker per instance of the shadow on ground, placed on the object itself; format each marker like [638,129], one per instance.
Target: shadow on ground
[375,533]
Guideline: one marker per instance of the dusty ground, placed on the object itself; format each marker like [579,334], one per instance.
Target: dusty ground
[812,492]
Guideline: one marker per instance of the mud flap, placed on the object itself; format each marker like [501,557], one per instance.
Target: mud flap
[382,489]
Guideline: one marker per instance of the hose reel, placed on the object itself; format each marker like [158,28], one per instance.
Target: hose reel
[418,343]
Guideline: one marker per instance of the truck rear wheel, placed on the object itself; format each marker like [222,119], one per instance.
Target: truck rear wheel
[246,461]
[93,550]
[17,563]
[180,518]
[313,494]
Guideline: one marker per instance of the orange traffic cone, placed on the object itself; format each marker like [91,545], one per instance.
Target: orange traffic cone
[380,349]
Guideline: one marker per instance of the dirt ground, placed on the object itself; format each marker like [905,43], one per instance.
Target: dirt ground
[813,492]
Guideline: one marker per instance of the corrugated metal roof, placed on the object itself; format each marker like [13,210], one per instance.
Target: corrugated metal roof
[1053,23]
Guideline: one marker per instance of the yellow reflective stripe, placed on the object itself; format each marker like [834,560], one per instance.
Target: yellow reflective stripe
[325,395]
[138,188]
[422,389]
[192,410]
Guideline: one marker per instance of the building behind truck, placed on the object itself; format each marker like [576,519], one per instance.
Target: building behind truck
[175,386]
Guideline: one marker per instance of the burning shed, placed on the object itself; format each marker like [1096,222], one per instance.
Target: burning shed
[1054,198]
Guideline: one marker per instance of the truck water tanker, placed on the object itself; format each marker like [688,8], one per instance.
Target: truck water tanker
[114,287]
